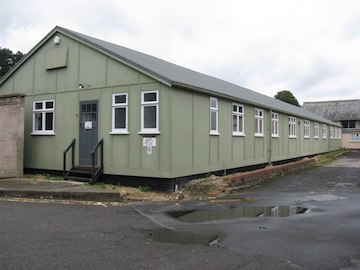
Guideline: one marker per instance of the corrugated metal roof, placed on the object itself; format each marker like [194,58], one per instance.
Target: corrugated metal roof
[335,110]
[179,76]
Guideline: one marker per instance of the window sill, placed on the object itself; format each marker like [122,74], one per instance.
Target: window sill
[214,134]
[292,137]
[42,134]
[238,135]
[149,132]
[306,137]
[275,136]
[119,133]
[260,135]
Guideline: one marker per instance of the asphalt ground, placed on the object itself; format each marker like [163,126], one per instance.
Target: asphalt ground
[49,234]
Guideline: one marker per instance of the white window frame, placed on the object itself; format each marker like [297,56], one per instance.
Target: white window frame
[116,106]
[353,135]
[324,131]
[306,129]
[216,110]
[331,132]
[150,104]
[43,111]
[292,127]
[259,122]
[335,133]
[340,133]
[316,130]
[275,125]
[239,115]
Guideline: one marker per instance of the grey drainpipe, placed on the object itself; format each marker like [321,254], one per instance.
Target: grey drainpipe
[270,137]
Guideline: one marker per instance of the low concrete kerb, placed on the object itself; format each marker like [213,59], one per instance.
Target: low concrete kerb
[60,195]
[61,190]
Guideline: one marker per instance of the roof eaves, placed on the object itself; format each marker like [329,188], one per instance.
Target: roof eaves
[313,117]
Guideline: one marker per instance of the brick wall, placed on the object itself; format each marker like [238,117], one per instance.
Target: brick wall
[11,135]
[268,172]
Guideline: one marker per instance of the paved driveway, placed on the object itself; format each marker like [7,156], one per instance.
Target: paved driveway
[36,235]
[327,236]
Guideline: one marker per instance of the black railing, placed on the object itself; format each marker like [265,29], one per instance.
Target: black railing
[72,146]
[96,172]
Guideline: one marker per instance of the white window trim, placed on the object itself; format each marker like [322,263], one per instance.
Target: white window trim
[316,127]
[276,121]
[119,105]
[354,141]
[257,119]
[43,111]
[292,122]
[238,133]
[331,132]
[324,134]
[335,133]
[216,110]
[146,104]
[306,129]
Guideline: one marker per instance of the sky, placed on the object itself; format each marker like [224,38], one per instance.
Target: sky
[310,47]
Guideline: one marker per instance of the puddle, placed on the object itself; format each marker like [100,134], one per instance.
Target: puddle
[186,238]
[194,216]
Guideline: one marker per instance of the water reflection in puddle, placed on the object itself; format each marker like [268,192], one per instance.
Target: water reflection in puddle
[186,238]
[193,216]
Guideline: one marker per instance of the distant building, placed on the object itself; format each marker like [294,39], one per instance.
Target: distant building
[344,112]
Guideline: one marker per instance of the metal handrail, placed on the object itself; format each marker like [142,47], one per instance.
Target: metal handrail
[72,146]
[100,170]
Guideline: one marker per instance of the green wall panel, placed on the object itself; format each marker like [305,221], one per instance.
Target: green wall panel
[92,67]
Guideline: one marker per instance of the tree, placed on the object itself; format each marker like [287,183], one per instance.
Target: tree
[288,97]
[8,59]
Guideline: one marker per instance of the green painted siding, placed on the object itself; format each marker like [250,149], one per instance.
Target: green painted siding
[184,145]
[195,151]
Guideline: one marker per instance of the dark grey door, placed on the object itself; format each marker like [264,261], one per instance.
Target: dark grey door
[88,130]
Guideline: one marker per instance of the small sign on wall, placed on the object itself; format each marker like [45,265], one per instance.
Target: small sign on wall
[149,142]
[88,125]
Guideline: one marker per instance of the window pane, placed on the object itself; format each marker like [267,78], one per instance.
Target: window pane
[213,121]
[234,108]
[49,121]
[150,117]
[49,105]
[83,108]
[241,124]
[213,103]
[120,99]
[240,109]
[38,105]
[235,128]
[38,121]
[150,97]
[351,124]
[120,118]
[93,107]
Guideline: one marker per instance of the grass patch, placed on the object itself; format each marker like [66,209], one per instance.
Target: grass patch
[330,156]
[100,185]
[144,188]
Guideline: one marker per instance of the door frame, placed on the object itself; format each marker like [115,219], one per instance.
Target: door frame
[94,143]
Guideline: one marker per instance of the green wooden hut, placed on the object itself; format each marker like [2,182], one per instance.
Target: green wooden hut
[150,118]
